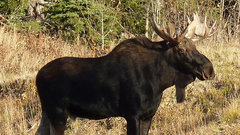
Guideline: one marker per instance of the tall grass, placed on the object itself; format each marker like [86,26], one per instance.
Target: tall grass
[211,107]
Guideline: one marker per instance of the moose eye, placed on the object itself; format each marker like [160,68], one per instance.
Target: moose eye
[181,51]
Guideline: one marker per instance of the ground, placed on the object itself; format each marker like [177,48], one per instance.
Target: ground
[211,107]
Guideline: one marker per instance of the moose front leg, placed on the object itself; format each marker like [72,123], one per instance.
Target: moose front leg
[138,127]
[181,83]
[145,126]
[44,128]
[133,126]
[180,94]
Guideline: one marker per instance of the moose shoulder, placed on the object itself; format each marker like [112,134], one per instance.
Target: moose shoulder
[128,82]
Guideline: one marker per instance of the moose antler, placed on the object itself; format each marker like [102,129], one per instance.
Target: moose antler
[161,32]
[199,28]
[196,30]
[169,36]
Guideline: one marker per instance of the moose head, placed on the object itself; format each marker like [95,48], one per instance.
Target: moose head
[182,51]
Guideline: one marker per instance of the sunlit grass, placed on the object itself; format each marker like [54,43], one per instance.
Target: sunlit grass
[211,107]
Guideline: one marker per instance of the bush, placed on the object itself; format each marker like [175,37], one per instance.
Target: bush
[74,18]
[94,20]
[8,7]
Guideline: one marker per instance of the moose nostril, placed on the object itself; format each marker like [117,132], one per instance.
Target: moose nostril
[209,71]
[212,75]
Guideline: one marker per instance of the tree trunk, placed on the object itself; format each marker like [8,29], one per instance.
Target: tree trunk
[147,20]
[35,8]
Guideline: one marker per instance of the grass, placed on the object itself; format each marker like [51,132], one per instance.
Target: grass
[211,107]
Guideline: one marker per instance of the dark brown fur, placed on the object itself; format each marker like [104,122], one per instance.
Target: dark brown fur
[128,82]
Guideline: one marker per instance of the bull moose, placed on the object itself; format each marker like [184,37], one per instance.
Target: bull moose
[128,82]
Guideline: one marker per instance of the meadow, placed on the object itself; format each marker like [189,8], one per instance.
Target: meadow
[211,107]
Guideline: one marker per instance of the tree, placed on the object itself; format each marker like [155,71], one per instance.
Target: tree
[74,18]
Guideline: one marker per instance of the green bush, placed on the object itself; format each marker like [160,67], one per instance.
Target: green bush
[74,18]
[98,19]
[134,15]
[8,7]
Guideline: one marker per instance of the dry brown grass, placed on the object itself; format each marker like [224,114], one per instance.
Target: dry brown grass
[211,107]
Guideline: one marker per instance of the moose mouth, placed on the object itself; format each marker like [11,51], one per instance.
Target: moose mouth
[201,75]
[205,74]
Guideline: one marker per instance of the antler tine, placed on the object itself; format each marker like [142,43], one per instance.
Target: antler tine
[207,31]
[191,26]
[195,17]
[212,33]
[171,30]
[189,21]
[161,33]
[213,26]
[206,27]
[181,37]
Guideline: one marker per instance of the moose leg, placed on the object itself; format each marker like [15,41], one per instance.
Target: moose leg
[44,128]
[133,127]
[180,94]
[181,82]
[145,126]
[57,126]
[58,120]
[57,129]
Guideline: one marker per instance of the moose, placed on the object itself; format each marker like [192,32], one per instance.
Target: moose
[128,82]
